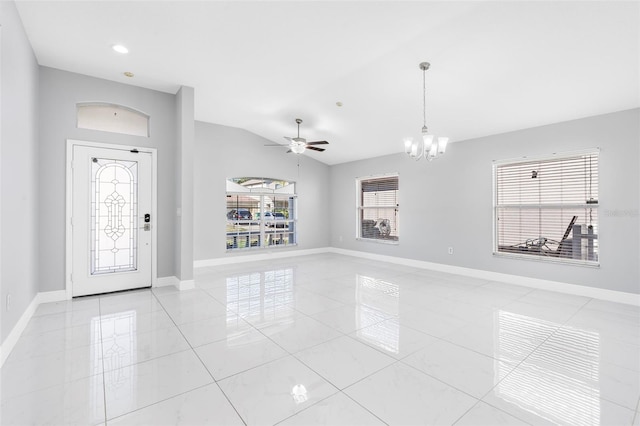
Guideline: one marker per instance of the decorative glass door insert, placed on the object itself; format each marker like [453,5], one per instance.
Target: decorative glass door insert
[112,219]
[114,215]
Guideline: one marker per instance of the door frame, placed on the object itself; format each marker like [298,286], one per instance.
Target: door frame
[71,143]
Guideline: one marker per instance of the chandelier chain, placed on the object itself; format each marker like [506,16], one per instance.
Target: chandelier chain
[424,97]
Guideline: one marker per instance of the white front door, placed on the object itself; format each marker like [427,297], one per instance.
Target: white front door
[111,220]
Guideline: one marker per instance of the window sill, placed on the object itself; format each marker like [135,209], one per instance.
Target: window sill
[550,260]
[258,248]
[379,241]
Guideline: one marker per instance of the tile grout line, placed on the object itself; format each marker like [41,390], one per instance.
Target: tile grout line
[158,402]
[554,336]
[200,359]
[466,412]
[159,357]
[478,400]
[363,407]
[293,354]
[324,399]
[636,414]
[304,409]
[104,378]
[395,361]
[527,357]
[517,365]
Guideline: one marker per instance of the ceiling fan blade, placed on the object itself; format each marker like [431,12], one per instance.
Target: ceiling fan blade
[318,143]
[275,144]
[313,148]
[289,151]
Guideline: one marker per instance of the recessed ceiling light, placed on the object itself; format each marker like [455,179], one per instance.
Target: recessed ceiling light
[128,74]
[339,103]
[120,48]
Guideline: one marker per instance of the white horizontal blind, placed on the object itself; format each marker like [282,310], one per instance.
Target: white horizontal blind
[378,208]
[548,208]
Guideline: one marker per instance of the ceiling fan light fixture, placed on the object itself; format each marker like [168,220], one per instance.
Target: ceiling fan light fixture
[298,148]
[120,48]
[298,145]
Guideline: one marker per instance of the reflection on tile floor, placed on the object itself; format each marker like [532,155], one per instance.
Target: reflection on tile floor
[327,339]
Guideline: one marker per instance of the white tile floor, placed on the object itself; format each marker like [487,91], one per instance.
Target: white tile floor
[327,339]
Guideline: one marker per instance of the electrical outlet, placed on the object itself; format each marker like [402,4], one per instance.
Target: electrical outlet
[450,250]
[9,297]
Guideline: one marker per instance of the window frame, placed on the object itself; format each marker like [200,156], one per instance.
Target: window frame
[360,208]
[264,230]
[91,116]
[544,158]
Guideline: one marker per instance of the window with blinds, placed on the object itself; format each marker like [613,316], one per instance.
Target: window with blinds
[378,208]
[548,208]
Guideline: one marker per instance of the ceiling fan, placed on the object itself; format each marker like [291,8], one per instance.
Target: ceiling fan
[298,145]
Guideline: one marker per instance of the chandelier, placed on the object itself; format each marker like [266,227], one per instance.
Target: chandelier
[429,146]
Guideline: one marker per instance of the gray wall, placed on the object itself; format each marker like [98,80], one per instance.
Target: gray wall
[19,171]
[59,93]
[222,152]
[448,202]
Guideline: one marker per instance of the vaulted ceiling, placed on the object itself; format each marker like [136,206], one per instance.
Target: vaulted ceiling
[495,66]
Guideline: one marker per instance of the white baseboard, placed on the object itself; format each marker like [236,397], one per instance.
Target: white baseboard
[16,332]
[51,296]
[14,335]
[186,285]
[174,281]
[271,254]
[578,290]
[167,281]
